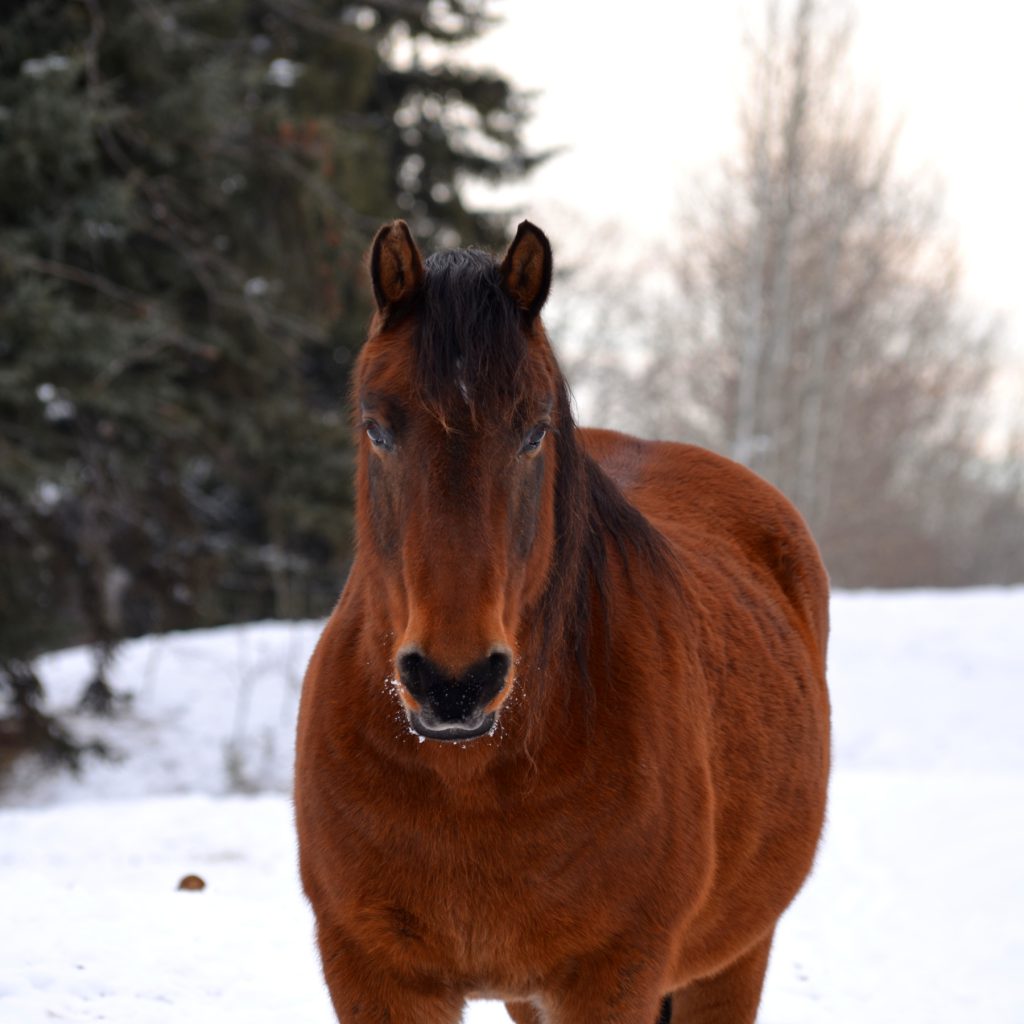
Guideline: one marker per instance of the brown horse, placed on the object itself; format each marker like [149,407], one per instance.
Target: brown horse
[564,740]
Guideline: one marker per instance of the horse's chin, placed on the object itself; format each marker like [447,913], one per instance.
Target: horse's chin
[450,733]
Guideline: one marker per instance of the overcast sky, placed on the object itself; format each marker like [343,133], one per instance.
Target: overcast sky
[647,95]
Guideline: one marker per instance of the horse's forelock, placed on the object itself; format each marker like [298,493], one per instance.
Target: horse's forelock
[471,350]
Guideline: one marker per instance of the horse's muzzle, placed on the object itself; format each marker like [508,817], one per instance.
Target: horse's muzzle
[453,707]
[452,733]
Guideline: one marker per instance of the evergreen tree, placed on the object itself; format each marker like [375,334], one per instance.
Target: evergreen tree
[186,193]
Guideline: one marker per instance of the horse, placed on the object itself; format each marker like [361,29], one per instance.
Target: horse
[564,740]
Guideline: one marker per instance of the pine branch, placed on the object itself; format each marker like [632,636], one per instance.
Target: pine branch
[140,303]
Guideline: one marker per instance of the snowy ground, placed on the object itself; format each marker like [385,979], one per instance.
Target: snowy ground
[915,912]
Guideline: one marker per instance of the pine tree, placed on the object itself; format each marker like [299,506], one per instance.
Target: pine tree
[186,193]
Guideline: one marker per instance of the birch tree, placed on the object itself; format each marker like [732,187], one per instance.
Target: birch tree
[815,330]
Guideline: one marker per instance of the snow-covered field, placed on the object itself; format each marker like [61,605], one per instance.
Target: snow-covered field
[914,914]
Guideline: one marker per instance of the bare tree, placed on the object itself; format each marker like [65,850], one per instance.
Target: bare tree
[815,331]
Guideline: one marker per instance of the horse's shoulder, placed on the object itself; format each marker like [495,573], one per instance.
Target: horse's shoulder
[711,507]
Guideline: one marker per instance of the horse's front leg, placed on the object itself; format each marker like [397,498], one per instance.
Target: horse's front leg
[364,993]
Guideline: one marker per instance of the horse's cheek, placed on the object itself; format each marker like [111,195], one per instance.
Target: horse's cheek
[383,509]
[525,509]
[531,531]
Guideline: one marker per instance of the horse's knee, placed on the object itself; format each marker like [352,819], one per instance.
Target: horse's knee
[363,994]
[729,997]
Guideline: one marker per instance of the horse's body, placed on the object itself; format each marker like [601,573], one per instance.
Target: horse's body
[651,797]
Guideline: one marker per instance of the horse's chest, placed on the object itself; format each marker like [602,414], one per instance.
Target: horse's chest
[494,911]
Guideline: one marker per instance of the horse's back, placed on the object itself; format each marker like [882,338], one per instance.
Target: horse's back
[726,523]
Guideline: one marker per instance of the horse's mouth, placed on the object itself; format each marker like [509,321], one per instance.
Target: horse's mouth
[452,732]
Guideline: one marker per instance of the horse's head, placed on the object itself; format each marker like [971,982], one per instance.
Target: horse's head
[458,400]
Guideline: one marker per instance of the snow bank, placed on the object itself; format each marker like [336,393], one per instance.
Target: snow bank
[920,681]
[915,911]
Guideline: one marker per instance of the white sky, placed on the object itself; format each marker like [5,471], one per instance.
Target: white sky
[647,94]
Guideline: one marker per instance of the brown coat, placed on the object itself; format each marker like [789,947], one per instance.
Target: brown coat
[649,795]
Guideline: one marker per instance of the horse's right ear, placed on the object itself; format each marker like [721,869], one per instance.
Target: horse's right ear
[526,269]
[396,266]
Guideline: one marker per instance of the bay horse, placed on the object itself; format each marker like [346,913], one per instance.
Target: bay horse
[564,740]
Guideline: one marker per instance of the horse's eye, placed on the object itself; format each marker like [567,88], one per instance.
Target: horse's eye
[377,434]
[533,439]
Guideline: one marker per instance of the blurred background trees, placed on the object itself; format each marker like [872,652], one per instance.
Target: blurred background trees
[187,190]
[186,193]
[811,325]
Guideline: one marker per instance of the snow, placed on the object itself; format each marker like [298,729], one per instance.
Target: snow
[913,913]
[95,929]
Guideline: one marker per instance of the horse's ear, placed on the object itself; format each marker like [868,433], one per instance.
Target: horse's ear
[396,266]
[526,269]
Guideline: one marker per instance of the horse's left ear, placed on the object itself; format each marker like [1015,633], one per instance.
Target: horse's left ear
[396,265]
[526,269]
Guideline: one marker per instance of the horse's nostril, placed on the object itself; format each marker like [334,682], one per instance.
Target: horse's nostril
[499,663]
[410,661]
[411,665]
[453,697]
[489,675]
